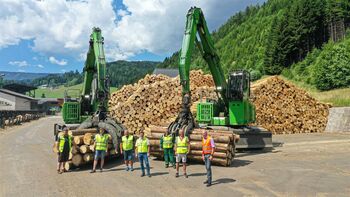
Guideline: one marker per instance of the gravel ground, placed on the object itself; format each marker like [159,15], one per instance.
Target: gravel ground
[299,165]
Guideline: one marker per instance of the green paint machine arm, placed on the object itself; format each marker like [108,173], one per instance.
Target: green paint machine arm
[196,24]
[95,85]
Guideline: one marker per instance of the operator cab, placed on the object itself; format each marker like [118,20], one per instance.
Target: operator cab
[238,85]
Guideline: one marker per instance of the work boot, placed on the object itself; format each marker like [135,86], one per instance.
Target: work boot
[166,165]
[142,175]
[186,175]
[208,184]
[92,171]
[101,169]
[149,175]
[127,168]
[177,174]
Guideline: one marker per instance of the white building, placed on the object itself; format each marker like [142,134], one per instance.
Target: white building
[10,100]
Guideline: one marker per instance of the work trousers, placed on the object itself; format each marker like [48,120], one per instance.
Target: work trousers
[169,156]
[144,159]
[208,167]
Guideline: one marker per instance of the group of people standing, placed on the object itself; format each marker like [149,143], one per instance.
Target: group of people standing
[173,147]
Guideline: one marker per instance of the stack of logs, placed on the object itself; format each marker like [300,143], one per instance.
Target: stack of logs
[82,147]
[156,100]
[224,142]
[282,108]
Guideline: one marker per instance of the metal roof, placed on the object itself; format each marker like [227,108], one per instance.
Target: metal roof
[166,71]
[20,88]
[16,94]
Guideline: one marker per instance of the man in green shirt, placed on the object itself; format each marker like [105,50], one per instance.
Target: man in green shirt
[64,147]
[167,144]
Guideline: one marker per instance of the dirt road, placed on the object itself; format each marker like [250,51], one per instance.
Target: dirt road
[306,165]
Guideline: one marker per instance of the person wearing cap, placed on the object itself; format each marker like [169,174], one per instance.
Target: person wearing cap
[208,149]
[142,151]
[167,144]
[64,146]
[101,143]
[127,149]
[182,148]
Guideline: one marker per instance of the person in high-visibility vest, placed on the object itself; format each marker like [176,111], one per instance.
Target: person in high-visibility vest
[167,144]
[182,148]
[127,149]
[208,149]
[101,143]
[64,146]
[142,150]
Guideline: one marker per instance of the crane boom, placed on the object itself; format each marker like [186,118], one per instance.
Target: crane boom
[95,81]
[196,24]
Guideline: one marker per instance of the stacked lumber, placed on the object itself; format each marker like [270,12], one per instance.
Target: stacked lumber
[83,150]
[224,141]
[283,108]
[156,99]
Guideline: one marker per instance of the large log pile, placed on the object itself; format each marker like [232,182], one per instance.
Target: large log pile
[156,99]
[82,147]
[282,108]
[224,141]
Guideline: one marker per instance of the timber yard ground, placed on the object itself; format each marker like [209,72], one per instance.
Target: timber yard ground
[304,165]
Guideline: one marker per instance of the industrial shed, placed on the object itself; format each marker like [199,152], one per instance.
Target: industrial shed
[10,100]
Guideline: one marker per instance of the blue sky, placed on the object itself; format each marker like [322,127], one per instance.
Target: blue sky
[52,36]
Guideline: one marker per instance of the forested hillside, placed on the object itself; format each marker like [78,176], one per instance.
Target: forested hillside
[120,73]
[271,38]
[127,72]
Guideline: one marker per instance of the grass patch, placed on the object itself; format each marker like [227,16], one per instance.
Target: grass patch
[337,97]
[59,92]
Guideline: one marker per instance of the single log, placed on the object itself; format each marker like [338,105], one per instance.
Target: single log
[92,148]
[70,156]
[75,149]
[68,165]
[88,157]
[85,149]
[215,161]
[88,138]
[82,131]
[78,140]
[77,160]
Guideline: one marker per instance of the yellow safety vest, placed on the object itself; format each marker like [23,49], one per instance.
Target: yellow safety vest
[101,142]
[61,143]
[182,145]
[168,141]
[142,146]
[128,142]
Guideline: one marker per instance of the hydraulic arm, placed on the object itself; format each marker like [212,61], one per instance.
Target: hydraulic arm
[233,111]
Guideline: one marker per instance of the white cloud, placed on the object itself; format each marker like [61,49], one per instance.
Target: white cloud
[63,27]
[40,66]
[53,60]
[19,63]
